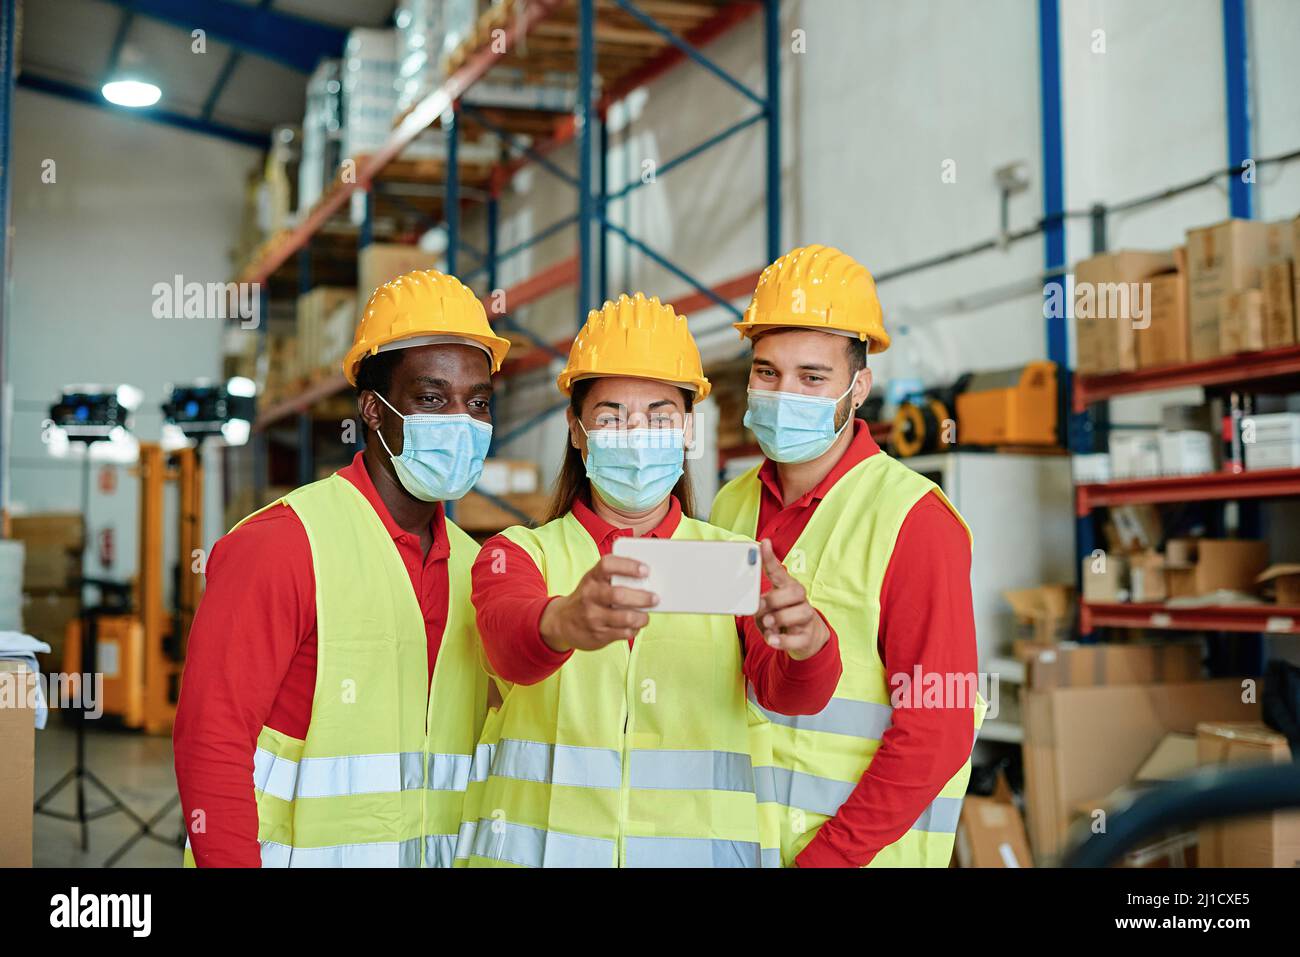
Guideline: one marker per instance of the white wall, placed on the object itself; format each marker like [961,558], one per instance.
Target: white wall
[133,204]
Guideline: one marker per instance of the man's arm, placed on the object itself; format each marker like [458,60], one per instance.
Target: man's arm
[257,609]
[927,621]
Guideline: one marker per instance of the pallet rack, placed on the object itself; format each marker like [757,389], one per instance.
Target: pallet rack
[1271,371]
[622,43]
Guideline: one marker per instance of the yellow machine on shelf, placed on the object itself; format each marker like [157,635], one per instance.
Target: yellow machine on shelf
[142,653]
[1012,409]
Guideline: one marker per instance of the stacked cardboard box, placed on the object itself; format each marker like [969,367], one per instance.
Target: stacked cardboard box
[1165,341]
[1112,299]
[380,262]
[477,514]
[52,544]
[1269,840]
[1226,270]
[326,317]
[1072,665]
[1085,742]
[18,759]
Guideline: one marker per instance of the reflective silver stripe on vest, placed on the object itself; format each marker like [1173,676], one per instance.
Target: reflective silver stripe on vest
[358,774]
[482,764]
[448,772]
[771,857]
[861,719]
[378,854]
[274,775]
[557,764]
[439,850]
[824,796]
[691,852]
[691,770]
[534,847]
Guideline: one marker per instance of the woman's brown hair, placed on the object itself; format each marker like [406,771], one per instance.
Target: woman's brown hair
[572,484]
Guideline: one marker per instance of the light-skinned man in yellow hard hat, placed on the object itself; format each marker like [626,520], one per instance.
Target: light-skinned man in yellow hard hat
[877,777]
[333,692]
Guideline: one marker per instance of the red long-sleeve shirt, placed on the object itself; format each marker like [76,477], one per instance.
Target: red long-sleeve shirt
[252,662]
[926,621]
[510,596]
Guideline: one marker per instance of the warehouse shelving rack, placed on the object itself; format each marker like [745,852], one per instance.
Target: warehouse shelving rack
[625,44]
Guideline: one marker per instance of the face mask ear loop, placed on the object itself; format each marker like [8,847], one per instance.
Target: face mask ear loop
[380,432]
[851,416]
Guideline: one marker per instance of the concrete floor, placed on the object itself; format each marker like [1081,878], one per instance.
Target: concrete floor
[137,767]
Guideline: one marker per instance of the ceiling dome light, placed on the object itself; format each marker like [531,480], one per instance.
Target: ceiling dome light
[132,93]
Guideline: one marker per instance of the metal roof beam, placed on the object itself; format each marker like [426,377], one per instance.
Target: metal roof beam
[292,41]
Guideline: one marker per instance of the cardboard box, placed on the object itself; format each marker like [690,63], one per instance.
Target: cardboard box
[991,833]
[1180,552]
[1146,577]
[1279,304]
[1105,579]
[1044,614]
[1082,742]
[510,477]
[64,529]
[1186,453]
[1241,322]
[1295,270]
[46,617]
[380,262]
[1221,259]
[1286,583]
[1167,341]
[1227,563]
[1180,583]
[1112,304]
[18,759]
[1071,665]
[317,346]
[475,513]
[49,568]
[1268,840]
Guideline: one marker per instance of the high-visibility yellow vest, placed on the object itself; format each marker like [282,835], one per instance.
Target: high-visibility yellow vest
[841,558]
[380,779]
[631,757]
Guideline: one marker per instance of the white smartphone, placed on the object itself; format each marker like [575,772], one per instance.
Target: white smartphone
[698,578]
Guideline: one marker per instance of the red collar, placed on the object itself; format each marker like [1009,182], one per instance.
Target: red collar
[862,446]
[356,474]
[603,533]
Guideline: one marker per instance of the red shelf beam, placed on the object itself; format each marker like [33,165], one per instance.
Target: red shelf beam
[412,125]
[1215,487]
[1244,369]
[1257,619]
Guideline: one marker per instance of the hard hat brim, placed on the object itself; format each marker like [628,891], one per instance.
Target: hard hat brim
[751,330]
[701,387]
[496,347]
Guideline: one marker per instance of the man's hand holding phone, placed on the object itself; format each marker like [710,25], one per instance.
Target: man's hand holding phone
[785,617]
[598,612]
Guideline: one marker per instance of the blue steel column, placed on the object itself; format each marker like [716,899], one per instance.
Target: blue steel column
[1236,62]
[772,45]
[451,203]
[586,204]
[490,268]
[260,459]
[602,206]
[8,36]
[1054,257]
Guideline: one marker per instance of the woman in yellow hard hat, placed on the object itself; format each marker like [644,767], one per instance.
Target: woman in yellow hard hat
[625,738]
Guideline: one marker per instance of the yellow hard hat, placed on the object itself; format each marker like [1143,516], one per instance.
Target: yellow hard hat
[817,287]
[424,304]
[636,336]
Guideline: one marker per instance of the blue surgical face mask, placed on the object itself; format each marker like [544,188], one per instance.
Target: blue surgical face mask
[442,455]
[794,428]
[634,469]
